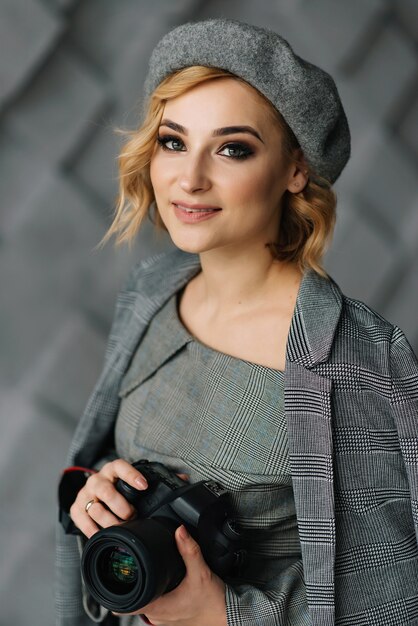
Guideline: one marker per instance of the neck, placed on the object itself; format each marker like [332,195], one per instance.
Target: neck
[229,280]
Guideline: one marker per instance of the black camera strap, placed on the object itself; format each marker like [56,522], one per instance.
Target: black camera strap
[72,480]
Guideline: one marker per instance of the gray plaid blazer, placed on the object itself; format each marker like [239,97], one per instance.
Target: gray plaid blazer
[351,404]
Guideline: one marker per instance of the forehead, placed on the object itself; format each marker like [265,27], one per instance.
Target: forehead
[221,101]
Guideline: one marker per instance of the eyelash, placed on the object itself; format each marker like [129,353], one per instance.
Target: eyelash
[246,151]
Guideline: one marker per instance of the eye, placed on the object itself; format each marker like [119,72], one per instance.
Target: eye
[166,140]
[237,150]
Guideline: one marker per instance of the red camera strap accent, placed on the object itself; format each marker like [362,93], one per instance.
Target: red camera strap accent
[77,468]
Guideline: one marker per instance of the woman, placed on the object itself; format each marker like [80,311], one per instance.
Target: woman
[237,358]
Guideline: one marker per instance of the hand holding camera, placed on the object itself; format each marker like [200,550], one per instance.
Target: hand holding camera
[99,504]
[130,564]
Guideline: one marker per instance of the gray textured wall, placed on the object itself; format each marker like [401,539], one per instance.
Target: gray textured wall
[69,72]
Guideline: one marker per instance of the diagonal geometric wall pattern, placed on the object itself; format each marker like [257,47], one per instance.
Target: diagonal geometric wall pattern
[72,70]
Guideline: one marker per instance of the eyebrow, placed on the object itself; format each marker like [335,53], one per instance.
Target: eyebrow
[218,132]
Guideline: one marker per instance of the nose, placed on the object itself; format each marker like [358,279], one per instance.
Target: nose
[194,174]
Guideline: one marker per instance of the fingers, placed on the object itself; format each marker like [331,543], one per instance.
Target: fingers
[102,516]
[191,554]
[124,470]
[84,522]
[109,507]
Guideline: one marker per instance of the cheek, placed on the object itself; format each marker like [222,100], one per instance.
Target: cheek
[159,173]
[154,174]
[163,180]
[254,185]
[239,182]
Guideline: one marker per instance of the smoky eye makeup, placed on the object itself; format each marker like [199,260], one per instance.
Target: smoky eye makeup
[165,140]
[237,150]
[240,150]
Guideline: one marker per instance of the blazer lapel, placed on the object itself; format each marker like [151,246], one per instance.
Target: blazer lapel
[135,307]
[308,415]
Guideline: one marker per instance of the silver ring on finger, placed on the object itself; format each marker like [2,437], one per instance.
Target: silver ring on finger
[89,503]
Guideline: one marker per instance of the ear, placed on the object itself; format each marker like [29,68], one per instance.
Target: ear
[299,173]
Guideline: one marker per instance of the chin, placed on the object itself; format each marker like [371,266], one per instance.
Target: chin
[190,248]
[196,247]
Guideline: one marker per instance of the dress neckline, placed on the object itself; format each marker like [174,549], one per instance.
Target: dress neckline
[173,304]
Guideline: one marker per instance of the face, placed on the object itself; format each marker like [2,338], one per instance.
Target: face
[217,169]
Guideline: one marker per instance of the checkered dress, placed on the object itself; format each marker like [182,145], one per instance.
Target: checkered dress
[215,416]
[351,409]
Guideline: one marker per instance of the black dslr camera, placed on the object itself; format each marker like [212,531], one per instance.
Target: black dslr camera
[127,566]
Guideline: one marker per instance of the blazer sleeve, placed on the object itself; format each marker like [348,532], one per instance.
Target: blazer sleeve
[283,602]
[404,401]
[73,606]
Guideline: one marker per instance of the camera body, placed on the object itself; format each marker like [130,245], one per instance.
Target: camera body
[202,507]
[128,565]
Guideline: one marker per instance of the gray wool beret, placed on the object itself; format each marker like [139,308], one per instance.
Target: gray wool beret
[304,94]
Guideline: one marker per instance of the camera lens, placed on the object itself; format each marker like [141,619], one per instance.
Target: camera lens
[127,566]
[119,569]
[112,571]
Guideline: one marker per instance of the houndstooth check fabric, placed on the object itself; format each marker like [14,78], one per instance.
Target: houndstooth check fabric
[351,406]
[211,415]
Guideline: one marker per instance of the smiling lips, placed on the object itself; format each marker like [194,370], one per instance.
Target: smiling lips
[192,213]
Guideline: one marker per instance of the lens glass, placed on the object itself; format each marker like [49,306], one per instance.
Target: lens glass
[118,570]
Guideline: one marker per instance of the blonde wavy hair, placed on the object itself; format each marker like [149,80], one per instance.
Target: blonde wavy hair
[307,217]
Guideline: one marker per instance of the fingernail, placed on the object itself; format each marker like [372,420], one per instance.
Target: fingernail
[141,482]
[184,535]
